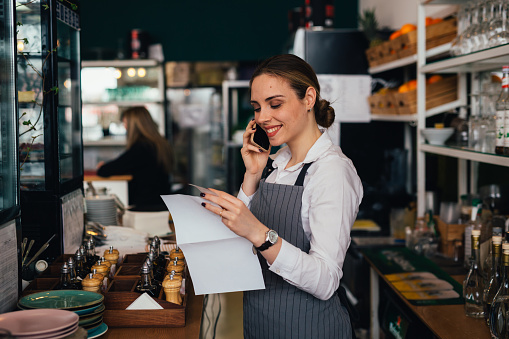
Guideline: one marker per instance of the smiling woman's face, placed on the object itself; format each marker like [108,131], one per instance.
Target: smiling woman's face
[278,110]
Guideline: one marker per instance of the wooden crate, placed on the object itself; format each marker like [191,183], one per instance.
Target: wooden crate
[438,93]
[406,44]
[381,54]
[449,235]
[436,35]
[383,103]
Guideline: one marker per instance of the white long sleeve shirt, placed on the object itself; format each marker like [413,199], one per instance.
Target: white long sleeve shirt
[330,202]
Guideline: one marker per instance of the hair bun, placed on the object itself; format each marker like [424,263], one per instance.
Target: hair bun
[325,114]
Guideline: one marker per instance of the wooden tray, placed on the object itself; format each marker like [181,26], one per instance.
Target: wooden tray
[121,294]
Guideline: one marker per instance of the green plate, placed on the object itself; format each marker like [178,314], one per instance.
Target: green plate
[90,312]
[61,299]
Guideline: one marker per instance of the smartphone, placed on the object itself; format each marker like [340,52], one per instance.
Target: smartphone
[260,139]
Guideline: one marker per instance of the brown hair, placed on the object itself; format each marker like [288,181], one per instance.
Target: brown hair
[300,75]
[141,127]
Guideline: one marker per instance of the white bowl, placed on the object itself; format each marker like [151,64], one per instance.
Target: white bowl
[437,136]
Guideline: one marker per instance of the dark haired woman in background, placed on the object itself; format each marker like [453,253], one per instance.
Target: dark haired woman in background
[296,207]
[148,158]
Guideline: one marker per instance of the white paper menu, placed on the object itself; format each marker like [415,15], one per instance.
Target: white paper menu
[218,260]
[8,267]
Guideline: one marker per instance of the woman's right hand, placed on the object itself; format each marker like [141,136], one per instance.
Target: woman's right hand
[254,158]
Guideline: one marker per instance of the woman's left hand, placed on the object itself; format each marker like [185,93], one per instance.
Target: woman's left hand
[236,216]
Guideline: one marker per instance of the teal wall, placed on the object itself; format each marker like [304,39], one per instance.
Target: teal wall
[198,30]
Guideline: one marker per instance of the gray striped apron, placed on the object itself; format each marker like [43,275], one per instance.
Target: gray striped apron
[282,310]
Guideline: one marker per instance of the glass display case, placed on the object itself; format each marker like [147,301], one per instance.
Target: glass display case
[108,88]
[49,86]
[50,133]
[9,180]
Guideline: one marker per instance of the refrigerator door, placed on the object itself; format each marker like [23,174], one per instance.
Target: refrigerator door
[9,180]
[50,100]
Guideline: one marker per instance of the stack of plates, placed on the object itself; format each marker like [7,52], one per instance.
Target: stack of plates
[87,306]
[102,209]
[39,324]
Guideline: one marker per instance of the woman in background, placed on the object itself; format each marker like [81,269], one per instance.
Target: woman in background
[296,207]
[148,158]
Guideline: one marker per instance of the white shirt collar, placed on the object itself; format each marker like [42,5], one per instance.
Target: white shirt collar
[283,156]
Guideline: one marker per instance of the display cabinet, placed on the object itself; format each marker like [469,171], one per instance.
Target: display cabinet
[108,88]
[50,134]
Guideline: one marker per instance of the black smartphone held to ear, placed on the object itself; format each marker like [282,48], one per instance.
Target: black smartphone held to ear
[260,139]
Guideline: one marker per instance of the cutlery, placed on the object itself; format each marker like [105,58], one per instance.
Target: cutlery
[28,251]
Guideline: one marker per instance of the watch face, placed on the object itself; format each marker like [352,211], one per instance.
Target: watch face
[273,236]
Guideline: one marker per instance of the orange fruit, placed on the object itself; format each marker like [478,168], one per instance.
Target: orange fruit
[406,28]
[429,20]
[434,78]
[395,35]
[403,88]
[436,21]
[412,84]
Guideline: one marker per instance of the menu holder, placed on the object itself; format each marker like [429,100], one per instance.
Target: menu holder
[40,285]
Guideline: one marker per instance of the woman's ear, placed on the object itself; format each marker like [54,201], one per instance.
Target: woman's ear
[310,97]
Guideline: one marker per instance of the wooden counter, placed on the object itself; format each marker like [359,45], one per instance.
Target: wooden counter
[190,331]
[445,321]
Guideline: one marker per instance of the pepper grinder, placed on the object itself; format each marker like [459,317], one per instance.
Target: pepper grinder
[92,283]
[176,266]
[176,253]
[172,290]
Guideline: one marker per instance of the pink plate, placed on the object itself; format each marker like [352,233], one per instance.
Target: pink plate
[53,335]
[38,322]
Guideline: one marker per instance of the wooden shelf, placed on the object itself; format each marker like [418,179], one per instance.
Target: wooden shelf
[412,59]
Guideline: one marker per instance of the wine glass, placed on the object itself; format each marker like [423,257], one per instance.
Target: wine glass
[463,22]
[502,37]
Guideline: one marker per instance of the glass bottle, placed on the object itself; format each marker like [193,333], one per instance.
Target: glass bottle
[488,263]
[500,306]
[501,107]
[90,254]
[157,269]
[81,272]
[65,279]
[491,288]
[473,286]
[72,273]
[145,283]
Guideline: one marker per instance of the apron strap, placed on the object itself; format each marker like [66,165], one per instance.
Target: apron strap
[352,312]
[302,174]
[268,169]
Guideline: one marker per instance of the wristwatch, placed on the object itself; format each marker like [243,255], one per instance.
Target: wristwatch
[270,239]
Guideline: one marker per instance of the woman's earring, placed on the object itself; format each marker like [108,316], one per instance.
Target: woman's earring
[309,110]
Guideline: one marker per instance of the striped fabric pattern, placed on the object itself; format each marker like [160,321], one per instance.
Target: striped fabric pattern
[282,310]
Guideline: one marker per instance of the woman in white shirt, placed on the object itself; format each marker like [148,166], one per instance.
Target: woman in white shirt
[297,208]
